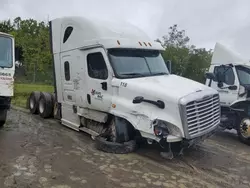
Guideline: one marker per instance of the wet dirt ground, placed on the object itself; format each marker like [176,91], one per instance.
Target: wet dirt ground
[42,153]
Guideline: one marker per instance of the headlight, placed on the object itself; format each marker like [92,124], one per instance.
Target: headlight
[175,131]
[163,129]
[160,129]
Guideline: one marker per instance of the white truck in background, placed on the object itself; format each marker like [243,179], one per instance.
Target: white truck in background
[229,74]
[112,82]
[7,71]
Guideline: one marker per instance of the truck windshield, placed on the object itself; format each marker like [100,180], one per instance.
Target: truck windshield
[243,74]
[6,53]
[132,63]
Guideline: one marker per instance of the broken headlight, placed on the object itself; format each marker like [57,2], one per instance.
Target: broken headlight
[163,129]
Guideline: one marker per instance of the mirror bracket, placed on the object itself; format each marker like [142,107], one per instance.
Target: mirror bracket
[169,65]
[233,87]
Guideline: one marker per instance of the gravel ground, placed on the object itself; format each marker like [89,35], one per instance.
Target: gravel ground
[42,153]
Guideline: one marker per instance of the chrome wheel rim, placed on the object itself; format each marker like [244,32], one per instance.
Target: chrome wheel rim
[245,128]
[41,106]
[32,103]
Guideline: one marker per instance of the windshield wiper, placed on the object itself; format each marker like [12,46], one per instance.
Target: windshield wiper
[160,73]
[133,74]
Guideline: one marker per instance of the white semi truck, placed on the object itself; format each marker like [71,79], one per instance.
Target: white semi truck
[112,82]
[7,70]
[229,74]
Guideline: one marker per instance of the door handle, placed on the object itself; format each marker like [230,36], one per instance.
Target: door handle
[104,85]
[88,98]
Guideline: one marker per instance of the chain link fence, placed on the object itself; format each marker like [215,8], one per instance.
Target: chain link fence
[34,74]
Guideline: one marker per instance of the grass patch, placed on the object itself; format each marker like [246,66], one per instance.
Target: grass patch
[22,92]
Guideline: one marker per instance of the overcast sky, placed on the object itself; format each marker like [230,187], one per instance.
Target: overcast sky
[205,21]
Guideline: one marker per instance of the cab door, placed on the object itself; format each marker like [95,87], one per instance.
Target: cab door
[229,75]
[99,76]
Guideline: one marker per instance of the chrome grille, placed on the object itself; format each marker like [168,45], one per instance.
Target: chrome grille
[202,115]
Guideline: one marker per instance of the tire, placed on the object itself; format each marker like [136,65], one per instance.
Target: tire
[33,102]
[3,117]
[242,137]
[53,98]
[114,147]
[45,106]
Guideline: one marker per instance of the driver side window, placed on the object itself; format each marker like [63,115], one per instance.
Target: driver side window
[226,73]
[96,66]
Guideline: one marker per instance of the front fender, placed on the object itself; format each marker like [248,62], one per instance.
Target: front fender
[242,106]
[240,103]
[141,116]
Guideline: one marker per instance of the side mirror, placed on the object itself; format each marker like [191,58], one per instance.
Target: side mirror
[234,87]
[169,65]
[138,100]
[210,76]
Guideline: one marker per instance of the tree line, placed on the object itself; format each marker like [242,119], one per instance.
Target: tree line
[32,39]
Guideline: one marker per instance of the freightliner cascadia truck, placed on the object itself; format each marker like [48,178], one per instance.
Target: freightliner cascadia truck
[112,82]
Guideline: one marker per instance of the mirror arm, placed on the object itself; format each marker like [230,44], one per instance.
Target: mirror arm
[210,83]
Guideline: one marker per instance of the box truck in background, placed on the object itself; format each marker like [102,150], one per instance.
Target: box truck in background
[229,74]
[7,71]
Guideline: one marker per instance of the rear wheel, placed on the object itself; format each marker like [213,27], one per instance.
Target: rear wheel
[243,130]
[33,102]
[45,106]
[3,117]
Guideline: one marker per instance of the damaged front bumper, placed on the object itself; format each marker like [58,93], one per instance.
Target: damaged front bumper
[186,143]
[191,142]
[171,138]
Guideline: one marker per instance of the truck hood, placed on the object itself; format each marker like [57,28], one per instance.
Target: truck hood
[165,87]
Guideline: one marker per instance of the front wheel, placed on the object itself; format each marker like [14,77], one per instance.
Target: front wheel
[3,116]
[103,144]
[243,131]
[118,139]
